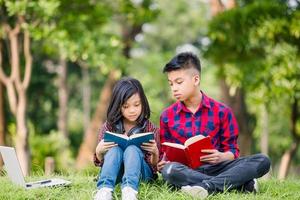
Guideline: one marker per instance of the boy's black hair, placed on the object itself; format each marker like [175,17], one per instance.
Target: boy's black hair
[123,90]
[185,60]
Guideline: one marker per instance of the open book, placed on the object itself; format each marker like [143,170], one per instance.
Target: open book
[188,154]
[124,141]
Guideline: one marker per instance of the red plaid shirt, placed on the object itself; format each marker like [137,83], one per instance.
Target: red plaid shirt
[212,118]
[150,127]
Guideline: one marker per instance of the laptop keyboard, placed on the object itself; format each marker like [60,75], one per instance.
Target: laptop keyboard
[38,183]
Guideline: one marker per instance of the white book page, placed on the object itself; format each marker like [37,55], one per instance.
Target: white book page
[193,140]
[140,134]
[179,146]
[119,135]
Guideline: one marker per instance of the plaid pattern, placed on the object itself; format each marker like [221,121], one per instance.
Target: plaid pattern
[150,127]
[212,118]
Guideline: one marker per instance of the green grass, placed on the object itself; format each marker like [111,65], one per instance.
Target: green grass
[83,186]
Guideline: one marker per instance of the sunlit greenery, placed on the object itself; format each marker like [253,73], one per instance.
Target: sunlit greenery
[254,46]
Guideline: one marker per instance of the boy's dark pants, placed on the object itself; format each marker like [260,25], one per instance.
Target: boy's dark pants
[225,175]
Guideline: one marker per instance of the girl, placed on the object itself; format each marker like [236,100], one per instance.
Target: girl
[128,113]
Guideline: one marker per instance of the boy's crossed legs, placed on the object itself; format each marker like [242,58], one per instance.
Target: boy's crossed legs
[216,178]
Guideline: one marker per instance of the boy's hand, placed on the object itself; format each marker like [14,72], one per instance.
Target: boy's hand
[103,147]
[151,147]
[214,156]
[162,163]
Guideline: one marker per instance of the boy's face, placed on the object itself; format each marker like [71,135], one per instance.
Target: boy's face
[183,83]
[132,108]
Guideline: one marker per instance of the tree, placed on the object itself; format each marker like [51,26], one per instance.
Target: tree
[72,40]
[17,87]
[234,98]
[2,119]
[160,40]
[259,45]
[17,21]
[130,18]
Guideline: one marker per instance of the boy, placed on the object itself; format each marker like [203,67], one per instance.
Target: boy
[195,113]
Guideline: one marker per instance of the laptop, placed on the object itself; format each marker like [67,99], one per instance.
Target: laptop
[14,172]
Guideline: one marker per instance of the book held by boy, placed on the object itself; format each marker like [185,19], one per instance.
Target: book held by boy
[124,141]
[190,152]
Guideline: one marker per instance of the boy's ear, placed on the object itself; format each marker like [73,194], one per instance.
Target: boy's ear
[197,79]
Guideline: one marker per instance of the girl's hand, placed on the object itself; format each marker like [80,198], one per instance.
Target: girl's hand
[103,147]
[151,147]
[214,156]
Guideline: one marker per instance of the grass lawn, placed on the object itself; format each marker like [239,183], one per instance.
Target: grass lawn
[83,186]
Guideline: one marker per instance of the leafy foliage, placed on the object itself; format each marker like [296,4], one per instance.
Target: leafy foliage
[51,145]
[259,46]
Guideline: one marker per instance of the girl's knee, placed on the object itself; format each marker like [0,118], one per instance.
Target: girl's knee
[114,152]
[132,149]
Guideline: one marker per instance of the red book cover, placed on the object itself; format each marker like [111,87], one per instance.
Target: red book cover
[175,153]
[188,154]
[194,151]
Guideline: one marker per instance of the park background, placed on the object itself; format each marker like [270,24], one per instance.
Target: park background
[59,60]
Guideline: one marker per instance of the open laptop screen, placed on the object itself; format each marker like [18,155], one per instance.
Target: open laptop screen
[12,165]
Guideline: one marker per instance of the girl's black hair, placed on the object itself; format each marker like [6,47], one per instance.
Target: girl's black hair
[123,90]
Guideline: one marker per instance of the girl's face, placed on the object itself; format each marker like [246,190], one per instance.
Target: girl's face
[132,108]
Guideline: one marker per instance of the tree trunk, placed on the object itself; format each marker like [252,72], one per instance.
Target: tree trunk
[128,36]
[49,166]
[264,142]
[86,97]
[22,145]
[230,4]
[245,135]
[237,103]
[87,147]
[236,99]
[216,7]
[286,159]
[2,121]
[62,122]
[89,143]
[289,154]
[2,117]
[16,86]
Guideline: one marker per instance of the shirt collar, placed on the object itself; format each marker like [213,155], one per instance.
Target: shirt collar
[204,103]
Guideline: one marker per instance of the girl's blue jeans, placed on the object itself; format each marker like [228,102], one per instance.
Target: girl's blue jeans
[128,166]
